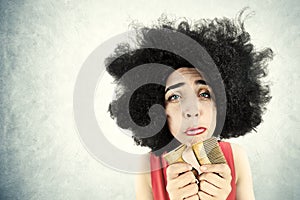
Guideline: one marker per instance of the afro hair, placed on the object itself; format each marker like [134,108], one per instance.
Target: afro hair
[241,67]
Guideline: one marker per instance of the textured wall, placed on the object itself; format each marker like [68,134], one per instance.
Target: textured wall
[43,45]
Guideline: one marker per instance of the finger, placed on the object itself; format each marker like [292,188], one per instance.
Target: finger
[194,197]
[189,190]
[212,178]
[175,169]
[208,188]
[222,169]
[184,179]
[203,196]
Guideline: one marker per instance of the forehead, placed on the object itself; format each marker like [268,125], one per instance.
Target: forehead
[183,74]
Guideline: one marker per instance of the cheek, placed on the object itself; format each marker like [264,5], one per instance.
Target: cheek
[173,112]
[212,116]
[208,108]
[208,114]
[173,118]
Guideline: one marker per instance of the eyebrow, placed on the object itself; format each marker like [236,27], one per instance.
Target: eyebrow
[198,82]
[201,82]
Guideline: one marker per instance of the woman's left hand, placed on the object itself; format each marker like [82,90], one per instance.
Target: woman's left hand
[215,182]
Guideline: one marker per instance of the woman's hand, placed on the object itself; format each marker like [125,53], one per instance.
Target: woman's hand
[181,182]
[215,182]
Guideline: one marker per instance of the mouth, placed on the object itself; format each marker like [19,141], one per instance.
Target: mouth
[195,131]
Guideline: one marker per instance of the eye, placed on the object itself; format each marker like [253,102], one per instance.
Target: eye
[174,97]
[205,94]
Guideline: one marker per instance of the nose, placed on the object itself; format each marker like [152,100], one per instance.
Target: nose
[190,106]
[190,109]
[189,114]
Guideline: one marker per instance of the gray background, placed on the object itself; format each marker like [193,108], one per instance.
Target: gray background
[43,45]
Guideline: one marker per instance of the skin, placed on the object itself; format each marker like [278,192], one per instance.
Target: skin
[190,104]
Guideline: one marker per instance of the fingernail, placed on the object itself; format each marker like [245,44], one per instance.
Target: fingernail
[199,170]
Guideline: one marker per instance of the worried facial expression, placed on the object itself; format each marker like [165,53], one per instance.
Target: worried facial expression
[190,108]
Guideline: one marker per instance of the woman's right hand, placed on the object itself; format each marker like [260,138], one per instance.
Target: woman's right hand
[181,182]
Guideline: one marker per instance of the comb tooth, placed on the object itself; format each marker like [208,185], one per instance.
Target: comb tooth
[210,144]
[209,152]
[206,152]
[213,151]
[199,151]
[216,156]
[175,155]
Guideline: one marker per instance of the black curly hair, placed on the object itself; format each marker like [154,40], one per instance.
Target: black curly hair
[239,63]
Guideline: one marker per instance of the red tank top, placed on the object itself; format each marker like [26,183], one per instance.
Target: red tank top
[159,180]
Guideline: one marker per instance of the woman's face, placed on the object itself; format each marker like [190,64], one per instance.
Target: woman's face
[190,108]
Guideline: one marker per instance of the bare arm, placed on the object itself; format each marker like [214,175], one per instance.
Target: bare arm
[244,185]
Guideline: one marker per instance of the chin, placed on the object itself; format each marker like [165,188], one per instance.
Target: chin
[199,138]
[189,140]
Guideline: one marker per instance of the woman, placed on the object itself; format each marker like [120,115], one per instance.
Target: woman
[192,107]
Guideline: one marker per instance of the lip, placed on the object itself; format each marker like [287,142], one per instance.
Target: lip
[195,131]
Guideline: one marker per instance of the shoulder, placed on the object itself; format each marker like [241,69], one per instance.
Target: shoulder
[239,154]
[238,151]
[240,159]
[143,185]
[145,177]
[243,172]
